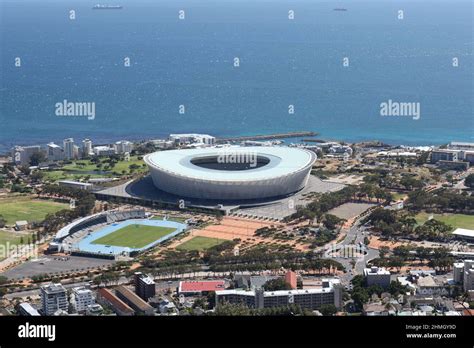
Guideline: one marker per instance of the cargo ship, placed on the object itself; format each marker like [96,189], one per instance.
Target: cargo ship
[340,9]
[107,7]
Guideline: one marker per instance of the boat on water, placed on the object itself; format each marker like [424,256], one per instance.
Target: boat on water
[340,9]
[107,7]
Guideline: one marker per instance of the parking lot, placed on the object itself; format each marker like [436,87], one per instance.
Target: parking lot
[55,265]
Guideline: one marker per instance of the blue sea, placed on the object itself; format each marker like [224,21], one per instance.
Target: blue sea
[283,62]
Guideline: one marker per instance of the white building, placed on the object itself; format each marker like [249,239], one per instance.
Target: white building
[53,298]
[463,233]
[377,276]
[54,152]
[341,150]
[104,151]
[464,274]
[81,298]
[94,309]
[456,145]
[123,146]
[22,154]
[68,146]
[87,148]
[76,184]
[426,285]
[27,310]
[163,144]
[329,293]
[458,272]
[193,138]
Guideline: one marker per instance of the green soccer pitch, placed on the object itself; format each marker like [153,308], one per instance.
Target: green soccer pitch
[200,243]
[134,236]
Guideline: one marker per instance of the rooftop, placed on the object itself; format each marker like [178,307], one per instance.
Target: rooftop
[282,161]
[133,298]
[199,286]
[72,182]
[463,232]
[376,271]
[427,281]
[53,288]
[29,309]
[114,300]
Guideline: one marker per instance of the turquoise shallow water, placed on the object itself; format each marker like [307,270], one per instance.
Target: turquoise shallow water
[282,63]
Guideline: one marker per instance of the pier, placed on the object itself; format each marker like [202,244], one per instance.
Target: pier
[268,136]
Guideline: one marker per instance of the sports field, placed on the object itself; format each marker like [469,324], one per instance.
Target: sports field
[27,208]
[200,243]
[455,220]
[11,237]
[134,236]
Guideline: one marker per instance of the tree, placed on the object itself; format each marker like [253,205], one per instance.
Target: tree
[3,280]
[276,284]
[469,181]
[37,157]
[331,221]
[383,251]
[360,296]
[328,310]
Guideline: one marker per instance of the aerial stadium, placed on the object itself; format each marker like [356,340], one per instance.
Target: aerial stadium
[231,173]
[114,233]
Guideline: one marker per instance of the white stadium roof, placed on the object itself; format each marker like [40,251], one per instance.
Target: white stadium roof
[283,161]
[249,172]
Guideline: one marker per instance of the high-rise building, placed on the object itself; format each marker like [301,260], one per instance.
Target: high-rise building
[53,298]
[68,145]
[144,286]
[82,298]
[86,147]
[464,274]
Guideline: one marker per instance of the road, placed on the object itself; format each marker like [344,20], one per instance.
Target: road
[355,237]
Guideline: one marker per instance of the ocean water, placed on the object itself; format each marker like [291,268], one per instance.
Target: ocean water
[282,62]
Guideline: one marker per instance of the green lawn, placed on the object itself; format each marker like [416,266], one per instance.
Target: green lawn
[55,175]
[87,166]
[176,219]
[455,220]
[11,237]
[397,196]
[26,208]
[134,236]
[200,243]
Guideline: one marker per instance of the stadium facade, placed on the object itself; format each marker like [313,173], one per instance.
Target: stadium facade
[231,173]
